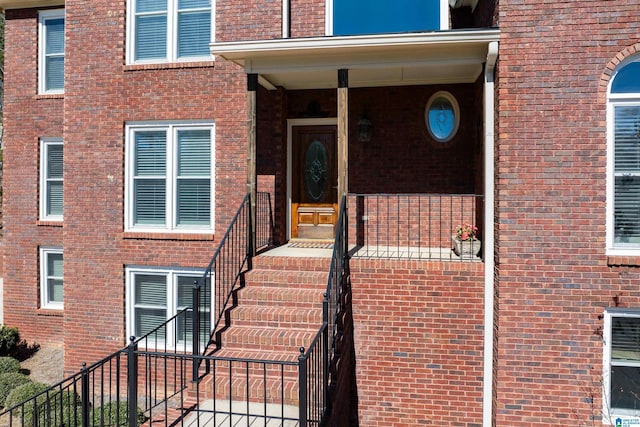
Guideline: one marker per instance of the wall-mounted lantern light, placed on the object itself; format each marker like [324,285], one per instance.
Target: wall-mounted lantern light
[365,128]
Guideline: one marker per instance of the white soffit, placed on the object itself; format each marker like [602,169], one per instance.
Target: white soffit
[381,60]
[23,4]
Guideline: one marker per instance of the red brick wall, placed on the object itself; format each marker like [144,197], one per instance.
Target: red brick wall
[308,18]
[102,96]
[27,117]
[554,279]
[418,342]
[271,149]
[401,156]
[248,20]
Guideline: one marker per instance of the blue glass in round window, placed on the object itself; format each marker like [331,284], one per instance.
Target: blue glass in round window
[442,116]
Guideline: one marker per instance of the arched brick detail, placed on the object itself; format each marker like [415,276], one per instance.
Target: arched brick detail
[605,78]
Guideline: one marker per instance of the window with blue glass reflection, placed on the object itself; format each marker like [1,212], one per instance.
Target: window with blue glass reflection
[353,17]
[442,116]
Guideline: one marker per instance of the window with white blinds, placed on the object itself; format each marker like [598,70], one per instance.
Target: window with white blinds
[51,25]
[51,278]
[622,363]
[627,174]
[155,296]
[623,182]
[170,184]
[169,30]
[51,181]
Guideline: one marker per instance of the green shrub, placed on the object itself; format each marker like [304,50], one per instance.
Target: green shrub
[9,381]
[55,408]
[64,410]
[114,414]
[22,393]
[9,339]
[9,364]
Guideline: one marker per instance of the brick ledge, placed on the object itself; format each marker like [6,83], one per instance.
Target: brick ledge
[167,236]
[50,312]
[50,96]
[169,65]
[50,223]
[618,260]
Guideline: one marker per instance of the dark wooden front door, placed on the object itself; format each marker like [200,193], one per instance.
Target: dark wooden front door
[314,194]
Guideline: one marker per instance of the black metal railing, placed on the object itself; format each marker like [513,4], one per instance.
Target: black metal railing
[155,388]
[152,380]
[416,226]
[317,362]
[264,221]
[95,396]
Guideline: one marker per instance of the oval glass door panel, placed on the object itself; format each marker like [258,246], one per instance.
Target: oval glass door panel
[316,171]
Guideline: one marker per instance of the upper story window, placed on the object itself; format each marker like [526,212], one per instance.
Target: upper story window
[353,17]
[51,51]
[51,175]
[169,30]
[169,178]
[623,160]
[621,373]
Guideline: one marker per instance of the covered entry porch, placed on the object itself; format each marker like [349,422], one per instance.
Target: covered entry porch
[396,122]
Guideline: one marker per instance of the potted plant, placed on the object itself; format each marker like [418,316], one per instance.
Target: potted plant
[465,242]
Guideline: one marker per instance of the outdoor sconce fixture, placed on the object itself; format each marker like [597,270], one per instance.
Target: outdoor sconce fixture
[364,128]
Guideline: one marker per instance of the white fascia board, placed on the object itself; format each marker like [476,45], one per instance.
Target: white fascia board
[25,4]
[324,53]
[305,62]
[240,49]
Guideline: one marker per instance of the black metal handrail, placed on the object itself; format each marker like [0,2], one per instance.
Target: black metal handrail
[150,376]
[315,363]
[223,275]
[416,226]
[94,396]
[152,386]
[224,272]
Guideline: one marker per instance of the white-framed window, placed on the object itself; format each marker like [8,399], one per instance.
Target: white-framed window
[51,179]
[169,30]
[623,160]
[621,371]
[156,295]
[51,51]
[442,116]
[51,278]
[169,177]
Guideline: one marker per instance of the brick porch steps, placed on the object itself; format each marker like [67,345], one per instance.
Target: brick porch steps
[278,310]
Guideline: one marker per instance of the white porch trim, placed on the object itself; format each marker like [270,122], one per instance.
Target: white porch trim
[436,57]
[489,233]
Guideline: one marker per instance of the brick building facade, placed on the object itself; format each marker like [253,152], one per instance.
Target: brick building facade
[543,331]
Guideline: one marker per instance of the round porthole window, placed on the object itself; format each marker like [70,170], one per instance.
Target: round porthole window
[442,116]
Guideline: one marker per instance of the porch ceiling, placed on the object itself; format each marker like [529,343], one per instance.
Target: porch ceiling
[380,60]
